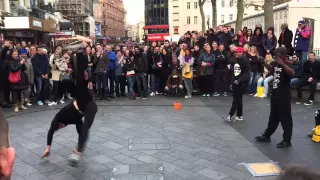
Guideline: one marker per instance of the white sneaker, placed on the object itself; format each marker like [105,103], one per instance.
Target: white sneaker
[52,103]
[152,94]
[23,107]
[157,93]
[69,96]
[62,102]
[40,103]
[74,159]
[227,118]
[263,96]
[189,96]
[29,104]
[16,109]
[238,118]
[186,97]
[256,95]
[47,102]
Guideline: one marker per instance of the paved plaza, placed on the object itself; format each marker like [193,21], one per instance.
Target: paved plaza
[149,140]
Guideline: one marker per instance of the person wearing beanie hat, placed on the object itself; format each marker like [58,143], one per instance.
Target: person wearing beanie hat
[239,82]
[280,105]
[302,41]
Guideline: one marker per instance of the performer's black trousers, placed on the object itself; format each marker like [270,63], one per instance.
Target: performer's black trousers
[89,114]
[280,113]
[317,118]
[237,105]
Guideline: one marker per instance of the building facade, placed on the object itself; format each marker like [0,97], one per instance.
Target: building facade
[156,20]
[113,19]
[135,32]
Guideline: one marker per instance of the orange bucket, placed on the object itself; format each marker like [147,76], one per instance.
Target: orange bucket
[177,106]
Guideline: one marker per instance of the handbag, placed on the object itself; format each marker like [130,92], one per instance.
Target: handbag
[14,77]
[65,77]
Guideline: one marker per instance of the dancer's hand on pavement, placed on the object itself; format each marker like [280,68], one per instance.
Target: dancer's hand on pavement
[46,153]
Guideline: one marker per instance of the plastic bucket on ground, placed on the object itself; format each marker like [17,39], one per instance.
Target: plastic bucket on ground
[177,106]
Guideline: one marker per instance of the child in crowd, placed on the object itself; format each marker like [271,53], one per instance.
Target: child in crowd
[174,84]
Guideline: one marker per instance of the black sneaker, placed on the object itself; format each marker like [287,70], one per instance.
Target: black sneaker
[133,97]
[225,94]
[263,139]
[309,103]
[118,95]
[299,102]
[284,144]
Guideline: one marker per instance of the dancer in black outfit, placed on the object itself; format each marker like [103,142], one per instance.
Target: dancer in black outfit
[239,83]
[70,114]
[280,101]
[84,104]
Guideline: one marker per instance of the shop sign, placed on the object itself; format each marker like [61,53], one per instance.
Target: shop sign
[16,23]
[37,23]
[49,26]
[157,37]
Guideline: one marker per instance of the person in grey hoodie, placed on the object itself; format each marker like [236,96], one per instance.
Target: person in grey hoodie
[29,72]
[120,77]
[101,61]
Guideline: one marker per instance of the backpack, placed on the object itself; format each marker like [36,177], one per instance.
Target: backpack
[316,134]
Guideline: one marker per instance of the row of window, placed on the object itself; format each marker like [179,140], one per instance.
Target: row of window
[195,20]
[230,18]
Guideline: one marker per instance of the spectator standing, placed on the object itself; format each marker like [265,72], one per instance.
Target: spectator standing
[4,83]
[15,65]
[40,65]
[221,72]
[141,69]
[310,76]
[256,40]
[101,61]
[187,72]
[256,69]
[301,41]
[206,71]
[165,68]
[30,74]
[248,36]
[226,38]
[111,71]
[211,37]
[285,39]
[120,76]
[269,42]
[131,76]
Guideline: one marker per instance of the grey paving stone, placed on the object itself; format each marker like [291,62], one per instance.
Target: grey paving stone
[164,156]
[15,176]
[185,164]
[81,173]
[130,177]
[108,152]
[148,159]
[155,177]
[163,146]
[186,174]
[112,145]
[120,169]
[174,129]
[24,170]
[135,147]
[36,176]
[127,152]
[211,174]
[154,140]
[62,176]
[48,168]
[186,149]
[95,167]
[149,152]
[156,168]
[102,159]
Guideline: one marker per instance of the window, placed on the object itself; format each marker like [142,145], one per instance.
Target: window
[222,18]
[188,5]
[176,20]
[188,19]
[195,19]
[195,5]
[231,3]
[175,13]
[230,17]
[222,3]
[256,8]
[175,6]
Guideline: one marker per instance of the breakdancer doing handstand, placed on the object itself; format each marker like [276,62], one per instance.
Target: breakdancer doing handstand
[83,106]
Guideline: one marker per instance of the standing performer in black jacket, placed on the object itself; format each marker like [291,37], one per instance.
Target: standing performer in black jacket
[280,101]
[239,83]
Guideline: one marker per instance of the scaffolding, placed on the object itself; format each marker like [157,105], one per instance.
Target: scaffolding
[77,11]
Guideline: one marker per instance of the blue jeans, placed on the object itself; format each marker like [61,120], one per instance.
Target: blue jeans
[39,82]
[141,81]
[265,83]
[294,82]
[303,57]
[254,76]
[131,81]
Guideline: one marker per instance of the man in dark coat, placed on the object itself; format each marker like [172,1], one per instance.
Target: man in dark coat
[4,83]
[285,38]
